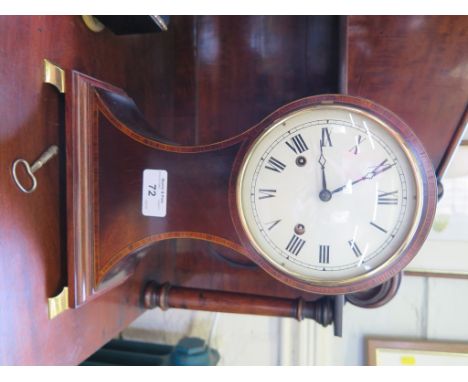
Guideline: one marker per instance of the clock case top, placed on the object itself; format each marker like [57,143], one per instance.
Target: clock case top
[109,145]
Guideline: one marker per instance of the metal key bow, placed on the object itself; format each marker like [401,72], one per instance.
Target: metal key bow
[31,169]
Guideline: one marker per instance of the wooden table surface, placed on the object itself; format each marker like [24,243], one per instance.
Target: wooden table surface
[415,66]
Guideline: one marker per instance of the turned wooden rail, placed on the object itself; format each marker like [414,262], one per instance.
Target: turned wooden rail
[166,296]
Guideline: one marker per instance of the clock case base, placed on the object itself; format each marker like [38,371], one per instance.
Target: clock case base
[108,146]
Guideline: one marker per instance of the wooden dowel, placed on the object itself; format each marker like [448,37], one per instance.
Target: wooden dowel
[166,296]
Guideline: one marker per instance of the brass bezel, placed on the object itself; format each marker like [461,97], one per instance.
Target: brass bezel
[419,184]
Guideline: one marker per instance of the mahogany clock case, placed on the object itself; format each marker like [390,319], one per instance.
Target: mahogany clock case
[107,231]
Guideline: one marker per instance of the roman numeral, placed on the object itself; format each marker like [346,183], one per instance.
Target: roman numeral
[324,254]
[264,194]
[271,225]
[378,227]
[355,148]
[387,198]
[275,165]
[355,248]
[379,169]
[326,140]
[297,144]
[295,245]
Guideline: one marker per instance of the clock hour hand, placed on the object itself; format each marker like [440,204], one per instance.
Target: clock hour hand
[371,174]
[324,195]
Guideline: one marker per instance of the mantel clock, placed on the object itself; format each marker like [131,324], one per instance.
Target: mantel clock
[328,195]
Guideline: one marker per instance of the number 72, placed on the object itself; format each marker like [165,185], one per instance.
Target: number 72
[152,192]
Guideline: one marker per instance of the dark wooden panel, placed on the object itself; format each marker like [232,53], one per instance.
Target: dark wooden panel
[216,76]
[248,66]
[417,67]
[170,103]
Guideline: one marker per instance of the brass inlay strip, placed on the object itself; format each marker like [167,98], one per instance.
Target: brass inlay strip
[54,75]
[160,21]
[93,24]
[58,304]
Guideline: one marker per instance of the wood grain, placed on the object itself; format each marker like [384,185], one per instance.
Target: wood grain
[416,66]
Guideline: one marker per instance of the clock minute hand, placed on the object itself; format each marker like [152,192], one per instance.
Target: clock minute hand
[371,174]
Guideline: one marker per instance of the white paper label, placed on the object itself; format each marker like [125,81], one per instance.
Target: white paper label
[154,196]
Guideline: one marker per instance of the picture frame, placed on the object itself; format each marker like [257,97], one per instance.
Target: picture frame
[445,252]
[464,141]
[441,259]
[405,352]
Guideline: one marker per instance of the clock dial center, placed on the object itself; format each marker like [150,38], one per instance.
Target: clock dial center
[325,195]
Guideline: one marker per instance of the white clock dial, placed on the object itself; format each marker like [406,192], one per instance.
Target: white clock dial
[329,194]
